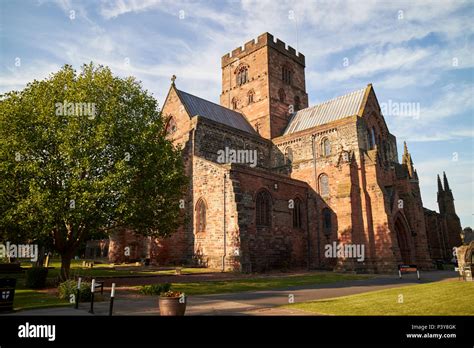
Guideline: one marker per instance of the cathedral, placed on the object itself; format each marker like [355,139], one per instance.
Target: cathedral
[276,184]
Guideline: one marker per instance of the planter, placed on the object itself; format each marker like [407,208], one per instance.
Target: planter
[171,306]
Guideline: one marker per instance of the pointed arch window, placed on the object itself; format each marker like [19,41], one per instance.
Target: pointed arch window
[171,126]
[324,185]
[372,134]
[242,75]
[326,147]
[288,156]
[297,218]
[263,209]
[370,144]
[281,95]
[250,96]
[234,103]
[227,143]
[200,216]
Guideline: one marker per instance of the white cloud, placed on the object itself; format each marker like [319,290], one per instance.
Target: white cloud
[112,9]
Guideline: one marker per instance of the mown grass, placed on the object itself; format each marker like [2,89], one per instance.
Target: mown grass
[439,298]
[28,299]
[262,283]
[33,298]
[114,270]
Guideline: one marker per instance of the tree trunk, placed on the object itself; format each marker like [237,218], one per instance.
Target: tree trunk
[65,266]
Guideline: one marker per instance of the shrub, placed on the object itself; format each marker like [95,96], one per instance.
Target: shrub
[155,289]
[69,287]
[36,277]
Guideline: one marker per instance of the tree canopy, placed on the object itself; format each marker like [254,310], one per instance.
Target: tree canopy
[82,152]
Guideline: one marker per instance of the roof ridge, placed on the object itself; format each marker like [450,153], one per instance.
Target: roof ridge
[335,98]
[208,101]
[327,111]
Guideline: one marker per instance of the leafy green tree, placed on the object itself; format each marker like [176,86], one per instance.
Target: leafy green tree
[82,152]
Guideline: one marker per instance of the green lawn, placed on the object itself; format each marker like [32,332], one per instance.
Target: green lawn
[262,283]
[113,270]
[440,298]
[27,299]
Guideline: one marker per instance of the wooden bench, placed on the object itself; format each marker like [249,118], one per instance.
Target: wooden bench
[408,269]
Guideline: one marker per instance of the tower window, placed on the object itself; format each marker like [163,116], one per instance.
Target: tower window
[286,75]
[242,75]
[297,103]
[281,95]
[297,220]
[234,103]
[324,185]
[250,96]
[200,216]
[263,205]
[326,147]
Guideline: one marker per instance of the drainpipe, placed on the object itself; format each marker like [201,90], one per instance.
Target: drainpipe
[225,237]
[316,199]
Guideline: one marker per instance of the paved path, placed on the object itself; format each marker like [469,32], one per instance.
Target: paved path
[248,303]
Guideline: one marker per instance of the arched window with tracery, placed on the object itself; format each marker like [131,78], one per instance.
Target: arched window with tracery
[242,75]
[286,74]
[250,96]
[297,218]
[326,147]
[200,216]
[171,126]
[281,95]
[323,185]
[234,103]
[263,209]
[288,156]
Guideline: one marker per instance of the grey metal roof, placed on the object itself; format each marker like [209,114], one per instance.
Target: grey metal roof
[201,107]
[331,110]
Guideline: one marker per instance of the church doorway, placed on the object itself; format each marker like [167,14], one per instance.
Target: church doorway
[403,240]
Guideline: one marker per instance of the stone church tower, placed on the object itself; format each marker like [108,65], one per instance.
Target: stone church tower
[265,81]
[303,180]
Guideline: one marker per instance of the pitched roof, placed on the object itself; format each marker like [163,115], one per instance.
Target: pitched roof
[201,107]
[331,110]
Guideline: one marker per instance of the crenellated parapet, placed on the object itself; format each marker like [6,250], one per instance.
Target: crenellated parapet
[263,40]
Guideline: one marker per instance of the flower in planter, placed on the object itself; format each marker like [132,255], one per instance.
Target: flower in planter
[170,293]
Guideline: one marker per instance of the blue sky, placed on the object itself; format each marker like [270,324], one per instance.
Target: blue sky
[415,52]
